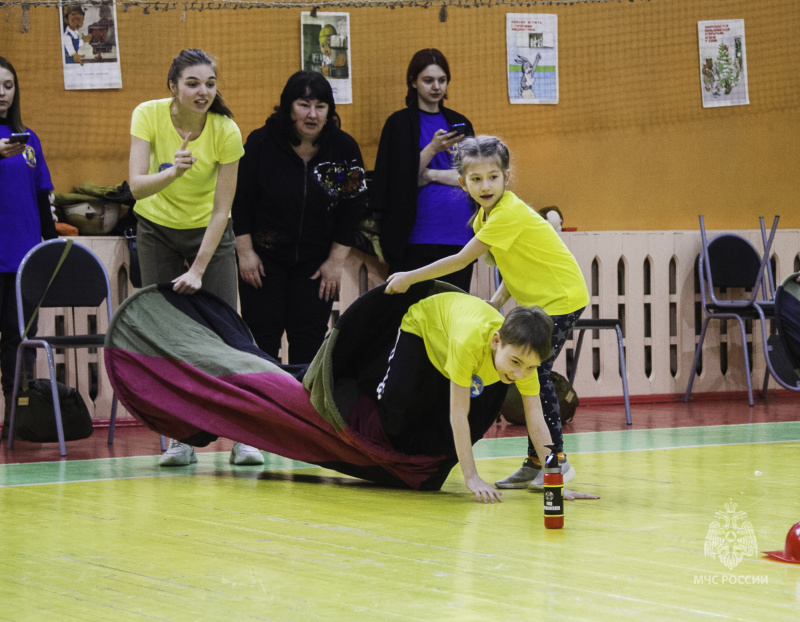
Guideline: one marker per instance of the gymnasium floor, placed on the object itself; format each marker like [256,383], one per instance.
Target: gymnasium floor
[108,535]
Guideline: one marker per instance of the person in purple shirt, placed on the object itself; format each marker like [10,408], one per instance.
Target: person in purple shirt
[424,213]
[24,220]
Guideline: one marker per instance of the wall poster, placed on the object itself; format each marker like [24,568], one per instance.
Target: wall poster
[325,47]
[723,64]
[89,48]
[532,58]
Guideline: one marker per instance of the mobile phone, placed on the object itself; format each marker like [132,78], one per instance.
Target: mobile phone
[459,128]
[21,137]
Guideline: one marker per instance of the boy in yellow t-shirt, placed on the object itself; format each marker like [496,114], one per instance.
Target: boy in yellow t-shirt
[456,345]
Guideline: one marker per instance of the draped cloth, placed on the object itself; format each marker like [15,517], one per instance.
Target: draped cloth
[187,368]
[787,315]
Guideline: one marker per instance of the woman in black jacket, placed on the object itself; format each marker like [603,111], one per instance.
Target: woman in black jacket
[424,213]
[299,201]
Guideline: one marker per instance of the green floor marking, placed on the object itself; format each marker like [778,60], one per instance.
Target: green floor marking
[64,471]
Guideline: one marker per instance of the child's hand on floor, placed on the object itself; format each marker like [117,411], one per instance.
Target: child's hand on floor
[484,492]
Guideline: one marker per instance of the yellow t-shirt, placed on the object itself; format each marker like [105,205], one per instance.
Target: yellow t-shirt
[188,201]
[536,265]
[457,330]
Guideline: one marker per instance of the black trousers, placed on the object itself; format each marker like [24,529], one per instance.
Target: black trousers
[288,300]
[9,333]
[414,402]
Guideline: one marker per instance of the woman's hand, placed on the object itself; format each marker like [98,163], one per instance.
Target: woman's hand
[398,283]
[330,278]
[484,492]
[442,140]
[183,158]
[8,149]
[187,283]
[250,267]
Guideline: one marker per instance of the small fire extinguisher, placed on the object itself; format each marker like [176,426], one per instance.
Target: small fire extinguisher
[553,493]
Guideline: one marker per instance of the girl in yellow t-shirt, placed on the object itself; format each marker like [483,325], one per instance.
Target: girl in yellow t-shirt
[537,269]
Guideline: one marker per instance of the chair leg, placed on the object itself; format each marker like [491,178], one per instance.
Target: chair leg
[51,366]
[624,373]
[693,371]
[746,362]
[113,421]
[766,383]
[576,356]
[163,442]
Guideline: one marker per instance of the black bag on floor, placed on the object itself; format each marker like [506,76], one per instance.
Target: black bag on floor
[567,398]
[35,418]
[513,412]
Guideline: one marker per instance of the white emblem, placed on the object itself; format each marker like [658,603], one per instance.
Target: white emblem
[730,537]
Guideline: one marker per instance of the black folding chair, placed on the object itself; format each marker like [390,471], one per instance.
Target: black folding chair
[49,277]
[730,261]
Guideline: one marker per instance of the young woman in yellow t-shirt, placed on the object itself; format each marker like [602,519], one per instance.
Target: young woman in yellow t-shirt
[184,159]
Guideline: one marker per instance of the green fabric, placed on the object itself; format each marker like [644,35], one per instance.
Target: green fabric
[197,346]
[791,286]
[318,381]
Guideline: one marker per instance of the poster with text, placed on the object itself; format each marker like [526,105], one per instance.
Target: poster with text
[89,48]
[723,64]
[532,58]
[325,48]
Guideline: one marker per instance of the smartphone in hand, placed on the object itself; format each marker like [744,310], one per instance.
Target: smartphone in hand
[21,137]
[459,128]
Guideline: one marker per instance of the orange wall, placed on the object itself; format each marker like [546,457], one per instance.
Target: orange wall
[629,146]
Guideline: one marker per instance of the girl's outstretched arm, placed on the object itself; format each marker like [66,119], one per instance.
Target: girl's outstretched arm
[399,282]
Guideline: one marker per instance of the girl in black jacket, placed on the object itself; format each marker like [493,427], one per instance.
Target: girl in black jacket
[299,201]
[424,213]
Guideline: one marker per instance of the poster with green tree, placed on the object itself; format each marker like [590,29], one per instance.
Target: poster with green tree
[723,67]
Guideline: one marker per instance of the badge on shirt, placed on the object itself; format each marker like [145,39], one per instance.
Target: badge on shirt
[164,166]
[30,156]
[476,388]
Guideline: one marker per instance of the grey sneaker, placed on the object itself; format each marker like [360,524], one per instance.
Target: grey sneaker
[242,454]
[178,454]
[567,472]
[521,477]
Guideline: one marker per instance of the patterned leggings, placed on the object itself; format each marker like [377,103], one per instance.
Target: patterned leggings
[562,325]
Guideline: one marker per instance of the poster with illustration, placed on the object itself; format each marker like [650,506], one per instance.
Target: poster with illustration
[325,47]
[89,49]
[723,65]
[532,58]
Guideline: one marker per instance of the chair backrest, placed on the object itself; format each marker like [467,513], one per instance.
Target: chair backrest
[81,281]
[731,261]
